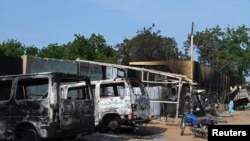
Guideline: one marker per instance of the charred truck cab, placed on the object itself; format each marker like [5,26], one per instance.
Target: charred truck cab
[33,107]
[120,101]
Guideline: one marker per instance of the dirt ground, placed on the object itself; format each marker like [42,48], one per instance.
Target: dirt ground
[162,130]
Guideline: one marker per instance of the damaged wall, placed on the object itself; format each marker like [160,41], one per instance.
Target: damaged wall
[209,79]
[36,64]
[10,65]
[95,72]
[178,67]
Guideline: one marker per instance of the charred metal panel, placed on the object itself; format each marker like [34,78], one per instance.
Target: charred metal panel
[11,65]
[121,106]
[38,110]
[155,94]
[143,107]
[77,107]
[211,80]
[178,67]
[77,114]
[141,111]
[5,112]
[95,72]
[35,64]
[33,112]
[5,107]
[111,72]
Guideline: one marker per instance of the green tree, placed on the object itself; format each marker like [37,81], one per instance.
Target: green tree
[148,46]
[12,48]
[80,48]
[52,51]
[32,50]
[226,51]
[94,48]
[103,52]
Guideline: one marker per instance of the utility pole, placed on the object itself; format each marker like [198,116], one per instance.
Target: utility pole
[192,64]
[191,51]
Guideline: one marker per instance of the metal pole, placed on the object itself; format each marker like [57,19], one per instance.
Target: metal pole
[178,101]
[191,65]
[191,51]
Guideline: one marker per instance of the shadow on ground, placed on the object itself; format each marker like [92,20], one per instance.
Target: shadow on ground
[126,133]
[196,134]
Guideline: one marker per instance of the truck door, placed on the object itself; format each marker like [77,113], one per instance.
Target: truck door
[5,105]
[140,98]
[113,98]
[77,108]
[31,101]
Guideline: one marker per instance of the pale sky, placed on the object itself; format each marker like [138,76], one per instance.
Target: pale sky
[43,22]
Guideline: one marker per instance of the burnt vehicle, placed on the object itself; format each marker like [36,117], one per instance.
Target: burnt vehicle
[32,107]
[118,102]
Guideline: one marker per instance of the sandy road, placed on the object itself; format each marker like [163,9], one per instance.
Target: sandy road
[161,131]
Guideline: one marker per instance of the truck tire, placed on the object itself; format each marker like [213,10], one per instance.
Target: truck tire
[114,126]
[28,135]
[182,125]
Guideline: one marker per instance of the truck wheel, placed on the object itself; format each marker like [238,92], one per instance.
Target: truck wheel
[28,135]
[114,126]
[182,125]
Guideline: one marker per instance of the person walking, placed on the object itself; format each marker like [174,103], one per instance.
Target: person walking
[231,107]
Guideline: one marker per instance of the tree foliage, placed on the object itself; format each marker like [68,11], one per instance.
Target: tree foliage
[31,50]
[103,52]
[227,51]
[93,48]
[12,48]
[80,48]
[52,51]
[148,45]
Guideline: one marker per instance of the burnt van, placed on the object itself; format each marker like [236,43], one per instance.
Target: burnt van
[118,102]
[33,107]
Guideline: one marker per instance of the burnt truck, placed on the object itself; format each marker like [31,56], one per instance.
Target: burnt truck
[121,101]
[33,107]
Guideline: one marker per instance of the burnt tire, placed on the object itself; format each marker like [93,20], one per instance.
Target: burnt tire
[182,125]
[114,127]
[28,135]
